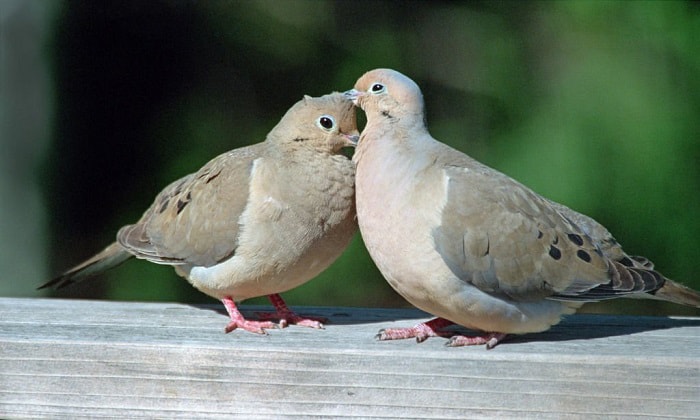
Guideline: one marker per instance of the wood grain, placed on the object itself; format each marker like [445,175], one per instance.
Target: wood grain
[80,359]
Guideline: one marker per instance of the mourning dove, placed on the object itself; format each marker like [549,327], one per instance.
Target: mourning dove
[469,244]
[254,221]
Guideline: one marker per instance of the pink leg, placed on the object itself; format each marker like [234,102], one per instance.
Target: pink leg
[420,331]
[287,316]
[237,319]
[490,339]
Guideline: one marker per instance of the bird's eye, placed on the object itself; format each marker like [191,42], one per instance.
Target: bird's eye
[326,122]
[377,88]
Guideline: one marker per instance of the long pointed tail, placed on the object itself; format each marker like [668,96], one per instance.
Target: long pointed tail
[110,257]
[677,293]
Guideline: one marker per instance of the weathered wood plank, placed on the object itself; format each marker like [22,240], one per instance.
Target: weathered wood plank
[73,359]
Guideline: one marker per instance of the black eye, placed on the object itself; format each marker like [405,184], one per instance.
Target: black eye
[377,88]
[326,122]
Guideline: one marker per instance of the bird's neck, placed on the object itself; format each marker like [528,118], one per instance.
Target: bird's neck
[379,135]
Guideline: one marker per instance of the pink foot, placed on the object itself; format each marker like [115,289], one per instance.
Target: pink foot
[238,321]
[420,331]
[490,339]
[287,317]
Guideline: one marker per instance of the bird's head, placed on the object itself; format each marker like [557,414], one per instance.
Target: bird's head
[327,123]
[386,93]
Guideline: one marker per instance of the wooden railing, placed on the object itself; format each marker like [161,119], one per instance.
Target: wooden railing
[75,359]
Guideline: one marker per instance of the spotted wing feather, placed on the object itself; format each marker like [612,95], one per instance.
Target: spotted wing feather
[507,240]
[195,220]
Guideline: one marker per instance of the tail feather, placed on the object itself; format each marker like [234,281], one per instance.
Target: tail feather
[108,258]
[677,293]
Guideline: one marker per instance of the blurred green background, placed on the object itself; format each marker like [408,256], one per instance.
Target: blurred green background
[592,104]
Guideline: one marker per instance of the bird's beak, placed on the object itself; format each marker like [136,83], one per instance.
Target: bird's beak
[353,139]
[353,94]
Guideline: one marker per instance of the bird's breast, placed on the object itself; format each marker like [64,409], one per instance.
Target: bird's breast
[397,204]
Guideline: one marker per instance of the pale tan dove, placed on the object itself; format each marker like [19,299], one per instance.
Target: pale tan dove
[254,221]
[469,244]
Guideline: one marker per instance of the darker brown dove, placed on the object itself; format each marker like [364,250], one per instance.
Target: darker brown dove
[255,221]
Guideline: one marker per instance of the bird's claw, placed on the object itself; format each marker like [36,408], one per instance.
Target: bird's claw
[257,327]
[420,332]
[291,318]
[490,339]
